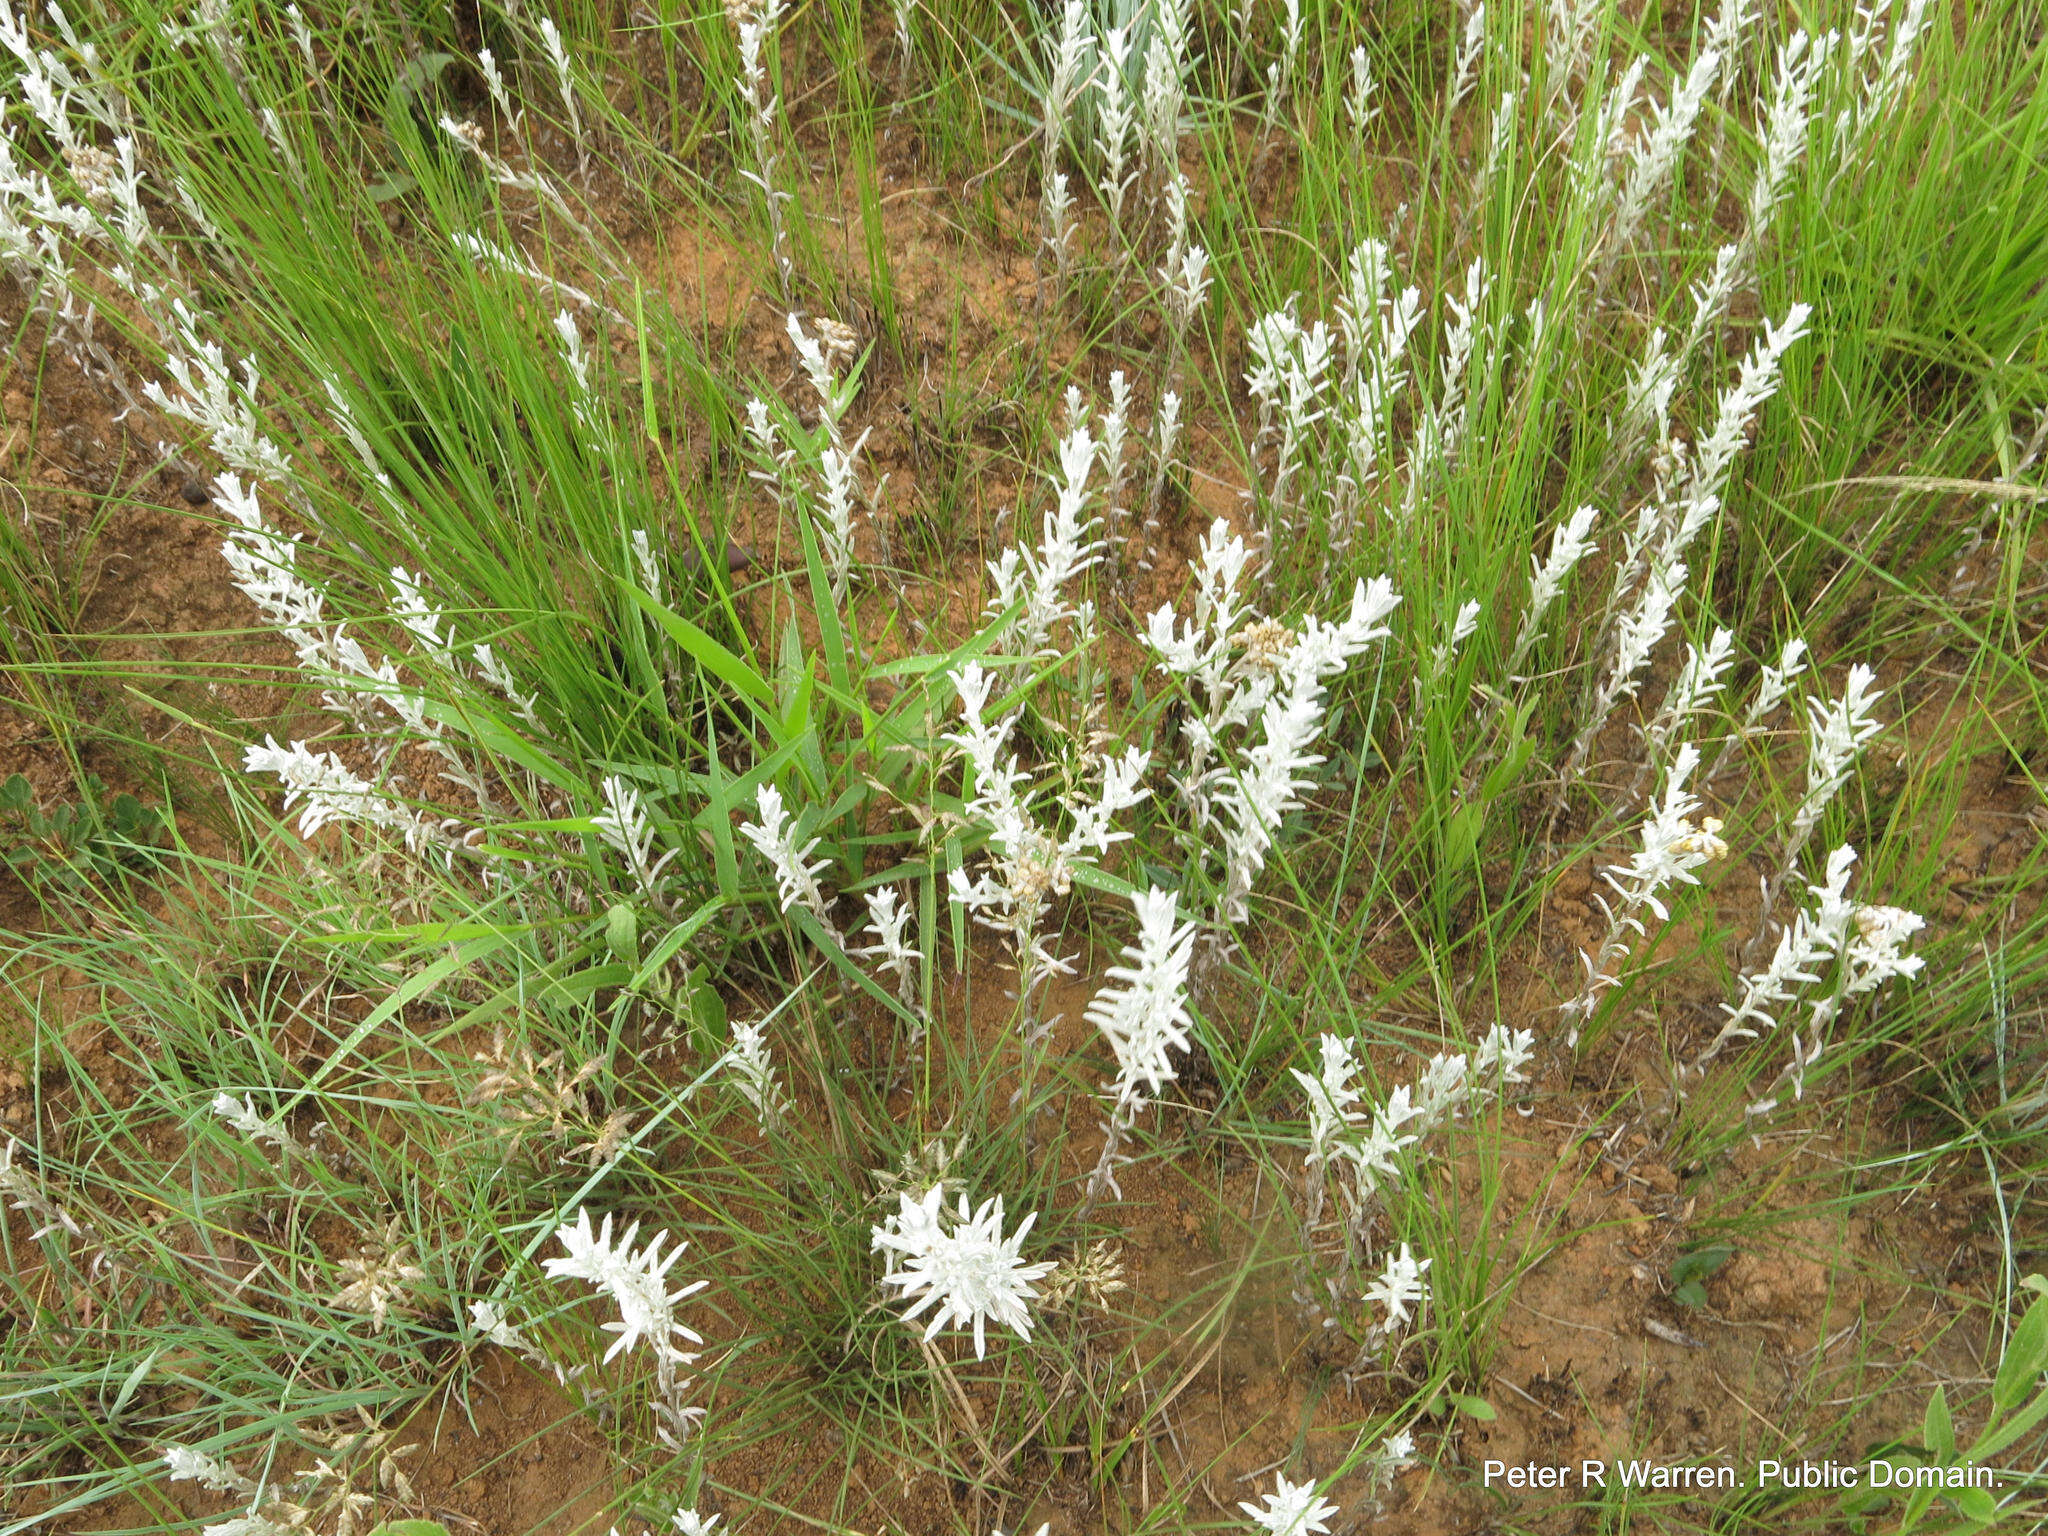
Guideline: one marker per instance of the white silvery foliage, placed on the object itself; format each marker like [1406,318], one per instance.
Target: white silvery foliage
[1165,89]
[755,24]
[566,84]
[1647,396]
[501,98]
[1269,780]
[636,1282]
[1465,63]
[1570,543]
[331,793]
[775,836]
[961,1265]
[1802,950]
[1654,160]
[1500,132]
[1836,736]
[1698,680]
[1367,1146]
[1289,362]
[1142,1007]
[1142,1011]
[1773,684]
[476,248]
[1755,383]
[1399,1288]
[753,1073]
[1800,61]
[241,1114]
[1068,52]
[1605,140]
[1672,848]
[1028,865]
[1115,117]
[1068,546]
[1711,297]
[1359,104]
[189,1465]
[888,917]
[626,829]
[209,397]
[1440,426]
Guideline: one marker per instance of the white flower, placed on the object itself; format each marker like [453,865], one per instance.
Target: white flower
[1147,1015]
[1292,1509]
[1874,953]
[636,1283]
[1506,1051]
[493,1325]
[1400,1287]
[214,1476]
[774,835]
[754,1073]
[330,792]
[972,1272]
[1330,1097]
[690,1523]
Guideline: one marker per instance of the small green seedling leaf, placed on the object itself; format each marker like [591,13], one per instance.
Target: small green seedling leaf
[2026,1355]
[1473,1407]
[1936,1428]
[622,933]
[1690,1271]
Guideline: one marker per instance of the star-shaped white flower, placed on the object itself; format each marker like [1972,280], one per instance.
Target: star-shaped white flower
[1292,1509]
[972,1272]
[1400,1287]
[636,1282]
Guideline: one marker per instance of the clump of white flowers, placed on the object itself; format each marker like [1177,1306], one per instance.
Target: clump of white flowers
[961,1265]
[1367,1147]
[1262,672]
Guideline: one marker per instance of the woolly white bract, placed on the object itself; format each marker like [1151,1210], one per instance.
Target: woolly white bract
[962,1265]
[636,1282]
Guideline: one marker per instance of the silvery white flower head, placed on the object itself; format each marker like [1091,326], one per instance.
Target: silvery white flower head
[689,1523]
[636,1282]
[1292,1509]
[965,1266]
[1400,1286]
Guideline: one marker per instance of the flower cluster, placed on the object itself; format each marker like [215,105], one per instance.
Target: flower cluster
[960,1264]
